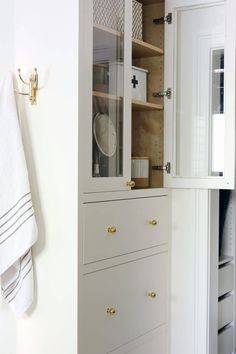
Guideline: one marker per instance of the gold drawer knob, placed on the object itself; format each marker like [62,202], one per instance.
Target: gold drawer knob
[152,294]
[111,229]
[111,311]
[130,184]
[153,222]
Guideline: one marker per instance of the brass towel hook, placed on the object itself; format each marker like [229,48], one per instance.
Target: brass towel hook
[33,86]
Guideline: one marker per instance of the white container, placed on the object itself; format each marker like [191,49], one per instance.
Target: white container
[137,20]
[138,81]
[140,172]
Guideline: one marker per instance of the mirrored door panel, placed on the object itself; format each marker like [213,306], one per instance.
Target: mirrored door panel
[108,88]
[199,89]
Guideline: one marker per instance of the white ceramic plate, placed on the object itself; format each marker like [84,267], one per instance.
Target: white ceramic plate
[104,134]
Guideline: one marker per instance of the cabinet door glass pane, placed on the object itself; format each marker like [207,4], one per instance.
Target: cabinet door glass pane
[199,87]
[108,61]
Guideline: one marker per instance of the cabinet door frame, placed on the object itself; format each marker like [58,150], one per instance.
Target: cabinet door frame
[209,182]
[101,184]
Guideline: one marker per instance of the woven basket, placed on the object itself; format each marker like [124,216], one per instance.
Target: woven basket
[110,13]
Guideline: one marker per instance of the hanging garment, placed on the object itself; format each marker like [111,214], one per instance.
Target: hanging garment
[18,230]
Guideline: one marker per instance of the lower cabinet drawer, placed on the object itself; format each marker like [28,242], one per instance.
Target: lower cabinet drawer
[226,279]
[155,342]
[124,302]
[225,311]
[120,227]
[225,341]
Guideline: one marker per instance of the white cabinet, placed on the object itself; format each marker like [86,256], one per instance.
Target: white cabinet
[199,105]
[182,126]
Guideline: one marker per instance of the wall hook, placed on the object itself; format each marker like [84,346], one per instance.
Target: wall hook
[33,86]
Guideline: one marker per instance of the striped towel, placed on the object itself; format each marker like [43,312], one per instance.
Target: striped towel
[18,230]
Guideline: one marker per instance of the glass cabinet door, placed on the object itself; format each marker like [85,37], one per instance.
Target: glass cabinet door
[109,113]
[201,114]
[108,88]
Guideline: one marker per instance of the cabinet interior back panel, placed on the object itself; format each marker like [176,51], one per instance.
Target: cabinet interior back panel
[147,127]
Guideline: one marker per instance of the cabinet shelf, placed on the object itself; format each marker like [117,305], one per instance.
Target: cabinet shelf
[146,106]
[140,49]
[225,259]
[150,2]
[106,96]
[136,105]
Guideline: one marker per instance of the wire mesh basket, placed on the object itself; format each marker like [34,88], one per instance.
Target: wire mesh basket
[110,13]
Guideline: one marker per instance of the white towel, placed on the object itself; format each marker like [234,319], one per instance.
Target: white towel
[18,230]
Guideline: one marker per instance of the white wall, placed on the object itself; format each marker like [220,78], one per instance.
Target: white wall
[7,320]
[6,35]
[46,36]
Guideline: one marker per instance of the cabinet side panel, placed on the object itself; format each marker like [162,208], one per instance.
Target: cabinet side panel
[189,278]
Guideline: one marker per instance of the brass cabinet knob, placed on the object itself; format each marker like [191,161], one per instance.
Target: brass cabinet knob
[111,311]
[111,229]
[153,222]
[130,184]
[152,294]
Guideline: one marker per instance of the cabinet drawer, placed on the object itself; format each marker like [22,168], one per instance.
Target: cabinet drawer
[225,341]
[225,311]
[152,343]
[226,279]
[126,289]
[133,228]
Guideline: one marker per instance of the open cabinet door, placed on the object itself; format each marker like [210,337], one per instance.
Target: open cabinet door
[200,112]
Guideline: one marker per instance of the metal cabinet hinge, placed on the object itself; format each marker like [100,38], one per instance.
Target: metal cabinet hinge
[166,93]
[166,19]
[166,168]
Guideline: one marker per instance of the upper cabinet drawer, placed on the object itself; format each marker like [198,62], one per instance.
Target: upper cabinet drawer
[121,227]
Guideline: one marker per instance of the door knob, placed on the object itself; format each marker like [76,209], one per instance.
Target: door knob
[152,294]
[153,222]
[111,311]
[111,229]
[130,184]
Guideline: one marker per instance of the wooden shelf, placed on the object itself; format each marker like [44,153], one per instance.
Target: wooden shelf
[108,30]
[106,96]
[146,106]
[150,2]
[140,49]
[136,105]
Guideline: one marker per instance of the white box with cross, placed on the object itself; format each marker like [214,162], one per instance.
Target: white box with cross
[138,81]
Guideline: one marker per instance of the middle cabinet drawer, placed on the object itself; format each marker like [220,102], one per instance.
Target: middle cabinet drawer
[121,227]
